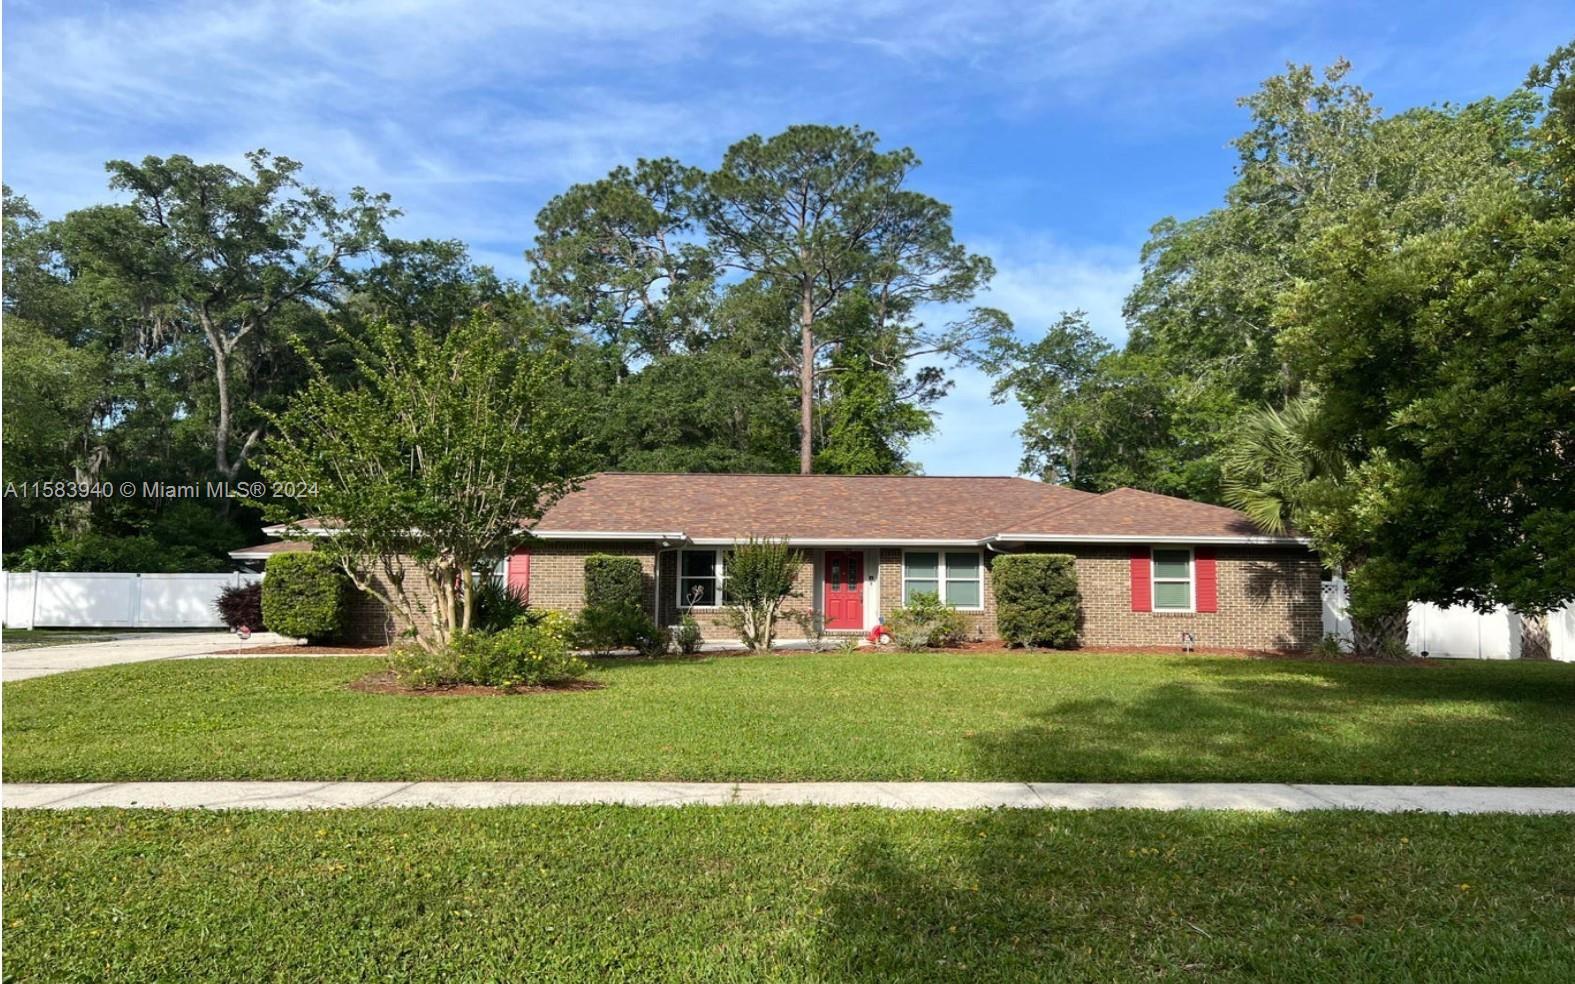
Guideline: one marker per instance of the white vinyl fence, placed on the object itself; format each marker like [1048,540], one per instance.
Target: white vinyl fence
[37,600]
[1461,633]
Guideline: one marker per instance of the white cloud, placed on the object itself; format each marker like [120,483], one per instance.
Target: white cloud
[1036,279]
[587,79]
[1039,278]
[973,435]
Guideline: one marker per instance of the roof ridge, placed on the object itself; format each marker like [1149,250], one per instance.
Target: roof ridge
[1177,498]
[1091,498]
[971,478]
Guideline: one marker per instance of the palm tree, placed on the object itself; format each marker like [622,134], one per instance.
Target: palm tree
[1282,471]
[1275,457]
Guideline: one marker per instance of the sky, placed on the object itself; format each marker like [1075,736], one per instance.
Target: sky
[1059,132]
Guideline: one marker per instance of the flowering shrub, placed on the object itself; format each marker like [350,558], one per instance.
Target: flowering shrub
[925,621]
[522,655]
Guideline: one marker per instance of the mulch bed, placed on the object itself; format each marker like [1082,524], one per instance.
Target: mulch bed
[295,650]
[386,683]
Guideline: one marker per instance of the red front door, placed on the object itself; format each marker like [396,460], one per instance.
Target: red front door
[844,589]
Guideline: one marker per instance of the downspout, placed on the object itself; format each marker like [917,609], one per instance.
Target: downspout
[657,614]
[663,547]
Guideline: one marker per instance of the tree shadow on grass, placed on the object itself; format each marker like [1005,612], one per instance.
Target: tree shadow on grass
[1301,721]
[1013,895]
[1137,895]
[1118,895]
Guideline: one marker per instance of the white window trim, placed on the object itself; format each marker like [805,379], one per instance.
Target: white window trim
[1191,580]
[940,575]
[720,576]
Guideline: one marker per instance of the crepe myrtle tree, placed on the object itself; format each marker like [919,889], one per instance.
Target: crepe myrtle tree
[425,463]
[760,577]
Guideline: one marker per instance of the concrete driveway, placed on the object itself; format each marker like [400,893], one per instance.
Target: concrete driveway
[142,647]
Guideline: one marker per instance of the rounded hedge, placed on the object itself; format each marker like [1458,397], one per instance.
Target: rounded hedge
[1036,599]
[305,596]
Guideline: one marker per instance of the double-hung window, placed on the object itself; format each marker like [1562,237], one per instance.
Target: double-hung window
[701,578]
[1172,580]
[956,577]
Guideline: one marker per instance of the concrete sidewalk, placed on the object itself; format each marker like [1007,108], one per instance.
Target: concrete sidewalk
[893,795]
[37,661]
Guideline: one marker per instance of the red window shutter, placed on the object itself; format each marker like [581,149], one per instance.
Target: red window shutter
[1207,586]
[1142,600]
[519,572]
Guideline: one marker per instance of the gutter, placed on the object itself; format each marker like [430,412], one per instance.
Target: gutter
[608,535]
[1255,541]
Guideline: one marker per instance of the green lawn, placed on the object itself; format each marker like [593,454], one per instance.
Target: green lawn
[750,893]
[1030,716]
[38,638]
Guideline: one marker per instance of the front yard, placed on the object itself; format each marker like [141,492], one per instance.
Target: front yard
[782,893]
[892,716]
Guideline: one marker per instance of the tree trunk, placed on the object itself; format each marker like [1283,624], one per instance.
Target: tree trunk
[1535,640]
[222,348]
[221,429]
[467,598]
[806,381]
[1382,636]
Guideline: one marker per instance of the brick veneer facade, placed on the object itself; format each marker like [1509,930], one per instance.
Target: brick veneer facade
[557,571]
[1268,598]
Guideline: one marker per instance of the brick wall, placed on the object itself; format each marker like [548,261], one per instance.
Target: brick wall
[557,571]
[1269,598]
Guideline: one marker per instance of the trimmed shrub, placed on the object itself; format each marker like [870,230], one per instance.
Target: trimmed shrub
[522,655]
[925,622]
[613,582]
[602,629]
[240,605]
[1036,599]
[497,605]
[305,596]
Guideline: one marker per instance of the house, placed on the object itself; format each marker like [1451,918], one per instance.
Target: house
[1149,567]
[255,558]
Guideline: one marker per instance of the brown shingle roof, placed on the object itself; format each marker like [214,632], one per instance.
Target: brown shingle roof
[807,507]
[1131,512]
[261,550]
[866,508]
